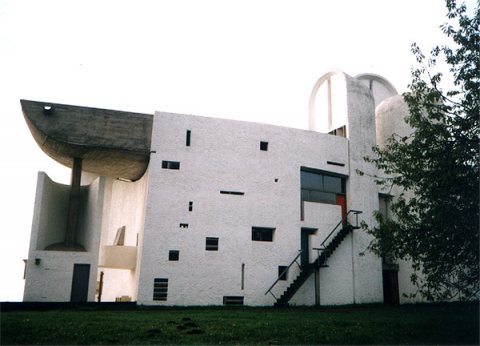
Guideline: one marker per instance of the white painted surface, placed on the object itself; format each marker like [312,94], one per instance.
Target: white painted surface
[225,155]
[124,206]
[118,257]
[390,120]
[380,87]
[51,278]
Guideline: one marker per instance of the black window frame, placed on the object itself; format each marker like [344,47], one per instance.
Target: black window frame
[160,289]
[314,191]
[233,300]
[263,234]
[174,255]
[171,164]
[211,243]
[281,270]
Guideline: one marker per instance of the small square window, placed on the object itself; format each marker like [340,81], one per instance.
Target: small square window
[262,233]
[173,255]
[211,244]
[282,273]
[264,146]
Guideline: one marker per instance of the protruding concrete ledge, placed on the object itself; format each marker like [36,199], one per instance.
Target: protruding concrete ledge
[110,143]
[120,257]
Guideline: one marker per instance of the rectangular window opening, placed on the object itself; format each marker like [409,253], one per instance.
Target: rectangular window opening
[173,255]
[170,165]
[190,206]
[242,286]
[238,193]
[189,134]
[184,225]
[264,146]
[282,273]
[384,202]
[262,234]
[160,289]
[211,244]
[341,131]
[320,187]
[232,300]
[336,163]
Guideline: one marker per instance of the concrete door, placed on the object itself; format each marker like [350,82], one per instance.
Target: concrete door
[81,275]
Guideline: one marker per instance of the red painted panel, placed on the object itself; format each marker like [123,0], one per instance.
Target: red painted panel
[342,201]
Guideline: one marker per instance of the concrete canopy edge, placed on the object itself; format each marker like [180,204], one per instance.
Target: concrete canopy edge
[110,143]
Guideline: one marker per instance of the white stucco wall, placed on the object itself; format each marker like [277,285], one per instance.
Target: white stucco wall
[124,206]
[50,216]
[390,117]
[51,278]
[380,87]
[367,269]
[390,120]
[225,155]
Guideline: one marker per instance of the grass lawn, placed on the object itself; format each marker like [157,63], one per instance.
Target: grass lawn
[455,323]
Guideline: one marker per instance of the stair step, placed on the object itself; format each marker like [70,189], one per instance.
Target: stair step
[320,262]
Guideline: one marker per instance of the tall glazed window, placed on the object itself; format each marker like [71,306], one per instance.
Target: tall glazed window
[321,187]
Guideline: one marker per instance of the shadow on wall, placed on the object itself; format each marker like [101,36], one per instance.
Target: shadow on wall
[53,217]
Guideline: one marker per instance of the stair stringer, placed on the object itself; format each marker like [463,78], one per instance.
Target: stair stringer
[306,271]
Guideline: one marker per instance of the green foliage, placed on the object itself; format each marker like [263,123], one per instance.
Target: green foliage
[355,325]
[436,218]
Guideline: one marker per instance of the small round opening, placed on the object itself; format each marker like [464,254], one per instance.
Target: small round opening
[47,109]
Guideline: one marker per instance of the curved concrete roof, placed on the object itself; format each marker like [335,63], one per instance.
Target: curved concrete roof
[110,143]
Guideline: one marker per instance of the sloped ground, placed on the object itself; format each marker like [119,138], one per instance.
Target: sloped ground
[454,323]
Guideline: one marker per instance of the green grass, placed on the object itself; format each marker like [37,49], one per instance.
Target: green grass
[417,324]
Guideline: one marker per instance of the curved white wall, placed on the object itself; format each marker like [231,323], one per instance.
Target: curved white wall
[380,87]
[124,206]
[49,273]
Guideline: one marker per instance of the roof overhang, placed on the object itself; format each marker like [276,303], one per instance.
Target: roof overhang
[110,143]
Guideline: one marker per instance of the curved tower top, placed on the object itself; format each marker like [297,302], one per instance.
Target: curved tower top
[381,88]
[327,106]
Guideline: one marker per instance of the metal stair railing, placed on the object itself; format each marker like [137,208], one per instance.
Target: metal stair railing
[321,248]
[343,223]
[284,272]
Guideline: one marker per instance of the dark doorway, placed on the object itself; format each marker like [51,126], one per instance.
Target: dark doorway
[390,287]
[305,245]
[81,275]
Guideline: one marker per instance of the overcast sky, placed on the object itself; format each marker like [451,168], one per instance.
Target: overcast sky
[246,60]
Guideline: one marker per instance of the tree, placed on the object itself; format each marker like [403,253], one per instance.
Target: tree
[435,222]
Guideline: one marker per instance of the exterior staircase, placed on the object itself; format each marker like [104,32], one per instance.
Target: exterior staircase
[328,246]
